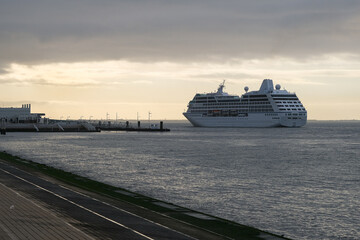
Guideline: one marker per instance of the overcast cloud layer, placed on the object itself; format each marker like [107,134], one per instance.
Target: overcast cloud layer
[40,31]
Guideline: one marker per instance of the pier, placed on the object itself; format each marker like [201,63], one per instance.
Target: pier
[51,127]
[22,120]
[80,126]
[127,126]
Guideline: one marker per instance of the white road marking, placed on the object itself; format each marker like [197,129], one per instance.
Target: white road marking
[133,214]
[78,205]
[44,209]
[71,190]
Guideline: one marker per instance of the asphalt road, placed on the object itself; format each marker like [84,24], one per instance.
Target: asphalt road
[97,217]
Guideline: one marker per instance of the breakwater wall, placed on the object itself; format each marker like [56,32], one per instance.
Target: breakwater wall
[54,127]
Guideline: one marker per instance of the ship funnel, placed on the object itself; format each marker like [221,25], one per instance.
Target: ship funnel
[267,86]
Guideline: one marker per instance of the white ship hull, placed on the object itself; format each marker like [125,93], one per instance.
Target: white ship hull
[252,120]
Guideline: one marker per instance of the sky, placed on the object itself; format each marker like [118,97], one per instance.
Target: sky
[124,58]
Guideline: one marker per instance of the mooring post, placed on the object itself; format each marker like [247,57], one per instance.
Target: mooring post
[3,127]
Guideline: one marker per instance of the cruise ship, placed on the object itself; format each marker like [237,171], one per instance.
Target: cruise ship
[267,107]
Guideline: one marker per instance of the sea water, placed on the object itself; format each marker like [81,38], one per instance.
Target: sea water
[303,183]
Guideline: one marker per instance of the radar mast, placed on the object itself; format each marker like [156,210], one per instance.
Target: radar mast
[221,87]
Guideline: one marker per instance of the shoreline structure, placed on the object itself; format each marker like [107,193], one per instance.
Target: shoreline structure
[175,215]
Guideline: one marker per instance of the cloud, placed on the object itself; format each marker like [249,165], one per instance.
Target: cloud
[19,103]
[110,74]
[142,82]
[162,30]
[44,82]
[2,70]
[227,75]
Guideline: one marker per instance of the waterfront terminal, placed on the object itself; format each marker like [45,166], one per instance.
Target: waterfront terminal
[22,120]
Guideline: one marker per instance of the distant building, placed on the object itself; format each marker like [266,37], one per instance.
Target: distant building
[21,115]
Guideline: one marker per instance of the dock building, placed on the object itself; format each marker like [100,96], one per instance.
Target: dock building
[20,115]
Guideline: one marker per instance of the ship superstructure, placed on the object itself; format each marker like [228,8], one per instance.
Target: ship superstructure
[267,107]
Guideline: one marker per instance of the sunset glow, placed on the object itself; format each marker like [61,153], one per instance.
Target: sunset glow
[122,67]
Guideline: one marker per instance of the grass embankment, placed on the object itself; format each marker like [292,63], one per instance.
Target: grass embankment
[214,224]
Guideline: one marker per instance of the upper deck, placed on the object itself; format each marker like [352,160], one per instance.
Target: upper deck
[266,99]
